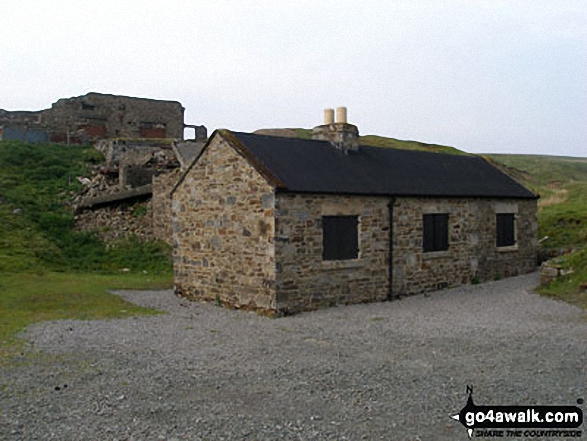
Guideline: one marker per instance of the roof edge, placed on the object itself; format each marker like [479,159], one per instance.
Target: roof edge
[240,148]
[512,179]
[396,195]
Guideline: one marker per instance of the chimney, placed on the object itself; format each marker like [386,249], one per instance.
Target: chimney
[328,116]
[340,134]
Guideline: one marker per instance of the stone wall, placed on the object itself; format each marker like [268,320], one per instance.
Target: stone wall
[472,255]
[161,205]
[306,281]
[119,152]
[223,222]
[113,116]
[94,116]
[118,221]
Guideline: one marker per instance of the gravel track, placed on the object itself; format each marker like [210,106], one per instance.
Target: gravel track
[393,371]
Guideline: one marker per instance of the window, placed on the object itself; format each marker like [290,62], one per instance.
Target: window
[505,229]
[435,232]
[340,236]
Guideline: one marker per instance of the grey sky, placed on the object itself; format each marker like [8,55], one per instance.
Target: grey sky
[480,75]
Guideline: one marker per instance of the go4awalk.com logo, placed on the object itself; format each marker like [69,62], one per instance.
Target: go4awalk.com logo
[520,421]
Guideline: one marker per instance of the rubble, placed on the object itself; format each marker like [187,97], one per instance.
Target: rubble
[119,221]
[117,198]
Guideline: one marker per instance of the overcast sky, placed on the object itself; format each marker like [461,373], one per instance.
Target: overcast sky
[480,75]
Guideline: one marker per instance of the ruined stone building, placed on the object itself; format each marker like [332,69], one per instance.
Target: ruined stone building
[142,142]
[284,225]
[131,194]
[87,118]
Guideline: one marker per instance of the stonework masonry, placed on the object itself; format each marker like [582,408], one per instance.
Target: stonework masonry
[120,221]
[223,225]
[304,280]
[94,116]
[472,255]
[161,205]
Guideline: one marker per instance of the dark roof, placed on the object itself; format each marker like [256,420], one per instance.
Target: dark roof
[305,165]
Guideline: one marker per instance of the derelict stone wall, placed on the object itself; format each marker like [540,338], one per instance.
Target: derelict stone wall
[119,221]
[113,116]
[306,281]
[223,229]
[161,203]
[472,254]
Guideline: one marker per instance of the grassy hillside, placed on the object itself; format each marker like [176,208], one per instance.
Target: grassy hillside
[47,269]
[37,182]
[562,184]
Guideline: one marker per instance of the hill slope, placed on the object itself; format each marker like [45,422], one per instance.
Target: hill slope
[562,183]
[37,182]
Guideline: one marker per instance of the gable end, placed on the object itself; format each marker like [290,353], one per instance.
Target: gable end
[242,151]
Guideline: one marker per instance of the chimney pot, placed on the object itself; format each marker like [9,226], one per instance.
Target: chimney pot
[341,115]
[342,135]
[328,116]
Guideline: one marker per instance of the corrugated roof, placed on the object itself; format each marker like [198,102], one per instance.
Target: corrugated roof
[303,165]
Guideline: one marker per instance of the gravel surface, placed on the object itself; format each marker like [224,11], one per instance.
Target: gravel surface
[393,371]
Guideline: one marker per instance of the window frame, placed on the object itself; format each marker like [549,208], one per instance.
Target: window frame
[436,224]
[502,236]
[333,228]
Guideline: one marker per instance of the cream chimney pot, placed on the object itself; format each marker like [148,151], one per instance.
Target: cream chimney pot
[328,116]
[341,115]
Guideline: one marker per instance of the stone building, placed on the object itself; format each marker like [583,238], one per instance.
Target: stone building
[283,225]
[87,118]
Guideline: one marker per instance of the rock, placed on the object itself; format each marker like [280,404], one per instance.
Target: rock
[549,273]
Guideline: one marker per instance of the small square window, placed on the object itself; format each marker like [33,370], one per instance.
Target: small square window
[505,229]
[340,237]
[435,232]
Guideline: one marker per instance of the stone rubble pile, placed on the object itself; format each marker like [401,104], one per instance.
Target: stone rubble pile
[119,221]
[111,222]
[95,185]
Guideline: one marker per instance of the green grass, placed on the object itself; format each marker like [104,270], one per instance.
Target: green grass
[381,141]
[39,181]
[48,270]
[28,298]
[546,169]
[562,214]
[568,287]
[565,223]
[562,185]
